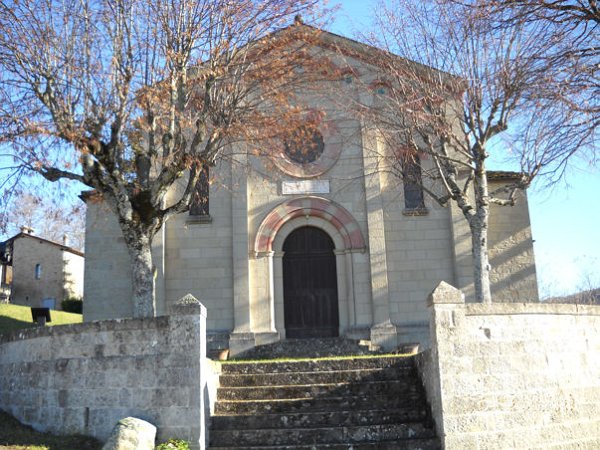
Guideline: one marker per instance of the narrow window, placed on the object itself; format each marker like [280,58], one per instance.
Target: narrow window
[199,206]
[411,177]
[38,271]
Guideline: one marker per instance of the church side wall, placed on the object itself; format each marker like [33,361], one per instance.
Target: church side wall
[510,246]
[107,277]
[419,249]
[198,255]
[513,276]
[513,375]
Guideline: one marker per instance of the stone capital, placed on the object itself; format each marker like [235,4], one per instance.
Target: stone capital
[444,293]
[189,305]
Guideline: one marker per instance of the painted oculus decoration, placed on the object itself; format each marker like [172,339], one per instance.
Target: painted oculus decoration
[309,150]
[305,145]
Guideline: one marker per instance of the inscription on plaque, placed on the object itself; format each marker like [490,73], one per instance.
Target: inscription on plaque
[305,187]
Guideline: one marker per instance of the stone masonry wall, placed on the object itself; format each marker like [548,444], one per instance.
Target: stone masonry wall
[198,254]
[84,378]
[107,276]
[513,375]
[510,245]
[513,274]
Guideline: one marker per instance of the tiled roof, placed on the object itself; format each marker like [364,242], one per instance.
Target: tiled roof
[41,239]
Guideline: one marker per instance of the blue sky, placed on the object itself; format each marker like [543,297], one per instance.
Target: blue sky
[565,220]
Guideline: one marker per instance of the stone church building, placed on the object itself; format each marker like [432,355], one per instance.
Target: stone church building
[313,243]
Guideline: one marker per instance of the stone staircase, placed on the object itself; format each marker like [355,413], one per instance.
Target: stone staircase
[359,403]
[309,348]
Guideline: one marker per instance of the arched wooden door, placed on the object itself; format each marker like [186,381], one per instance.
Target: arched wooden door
[310,284]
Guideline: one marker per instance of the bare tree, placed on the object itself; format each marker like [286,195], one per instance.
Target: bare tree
[48,213]
[129,97]
[458,88]
[573,32]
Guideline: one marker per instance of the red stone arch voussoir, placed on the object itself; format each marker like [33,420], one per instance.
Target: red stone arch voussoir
[335,214]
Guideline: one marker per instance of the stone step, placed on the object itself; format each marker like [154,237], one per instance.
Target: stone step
[315,436]
[343,403]
[320,419]
[308,348]
[329,435]
[315,391]
[317,365]
[328,403]
[319,377]
[409,444]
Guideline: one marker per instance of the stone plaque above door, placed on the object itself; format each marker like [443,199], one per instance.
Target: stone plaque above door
[305,187]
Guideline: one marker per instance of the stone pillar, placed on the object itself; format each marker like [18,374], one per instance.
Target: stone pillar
[262,316]
[189,322]
[383,332]
[350,290]
[241,337]
[278,293]
[446,312]
[270,259]
[446,315]
[345,315]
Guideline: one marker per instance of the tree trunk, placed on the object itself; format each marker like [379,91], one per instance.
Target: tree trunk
[479,228]
[142,275]
[481,262]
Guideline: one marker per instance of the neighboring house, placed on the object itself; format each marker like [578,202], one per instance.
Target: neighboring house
[38,272]
[312,243]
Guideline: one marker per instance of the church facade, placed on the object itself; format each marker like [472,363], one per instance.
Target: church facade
[313,243]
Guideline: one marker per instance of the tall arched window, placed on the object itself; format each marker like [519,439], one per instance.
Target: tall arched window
[413,189]
[199,205]
[38,271]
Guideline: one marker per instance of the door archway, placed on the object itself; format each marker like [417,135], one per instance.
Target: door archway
[310,284]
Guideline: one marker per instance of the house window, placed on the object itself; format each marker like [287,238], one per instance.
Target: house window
[199,205]
[411,177]
[38,271]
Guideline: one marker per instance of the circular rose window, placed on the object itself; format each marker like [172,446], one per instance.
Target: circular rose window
[305,145]
[309,151]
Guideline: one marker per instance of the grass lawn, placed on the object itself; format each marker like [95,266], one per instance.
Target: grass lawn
[15,317]
[15,436]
